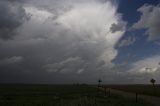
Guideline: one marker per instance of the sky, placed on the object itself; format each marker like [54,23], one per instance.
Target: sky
[79,41]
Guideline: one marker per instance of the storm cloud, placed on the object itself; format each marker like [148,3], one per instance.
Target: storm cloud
[61,41]
[12,16]
[11,60]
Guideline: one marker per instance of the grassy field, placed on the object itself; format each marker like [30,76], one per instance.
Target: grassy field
[60,95]
[140,89]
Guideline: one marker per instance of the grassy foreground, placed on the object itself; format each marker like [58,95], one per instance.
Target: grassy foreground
[60,95]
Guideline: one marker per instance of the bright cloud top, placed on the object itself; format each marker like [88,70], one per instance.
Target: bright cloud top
[91,21]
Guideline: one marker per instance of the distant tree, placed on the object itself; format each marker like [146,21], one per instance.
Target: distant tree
[153,83]
[99,82]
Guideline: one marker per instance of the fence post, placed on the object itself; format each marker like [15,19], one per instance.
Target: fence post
[109,92]
[95,102]
[105,91]
[136,97]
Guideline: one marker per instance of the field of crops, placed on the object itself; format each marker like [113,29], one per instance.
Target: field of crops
[60,95]
[140,89]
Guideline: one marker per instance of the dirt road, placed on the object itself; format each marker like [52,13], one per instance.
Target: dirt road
[150,99]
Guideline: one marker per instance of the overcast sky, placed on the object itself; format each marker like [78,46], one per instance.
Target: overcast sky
[79,41]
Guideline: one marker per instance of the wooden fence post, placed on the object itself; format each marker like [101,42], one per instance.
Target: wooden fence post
[109,92]
[105,91]
[136,97]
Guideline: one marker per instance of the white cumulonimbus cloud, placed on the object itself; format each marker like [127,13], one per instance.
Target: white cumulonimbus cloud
[84,25]
[73,37]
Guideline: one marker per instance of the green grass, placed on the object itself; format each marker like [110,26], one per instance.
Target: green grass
[60,95]
[140,89]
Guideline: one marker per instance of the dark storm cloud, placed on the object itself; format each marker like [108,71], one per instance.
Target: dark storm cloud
[11,60]
[118,27]
[12,15]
